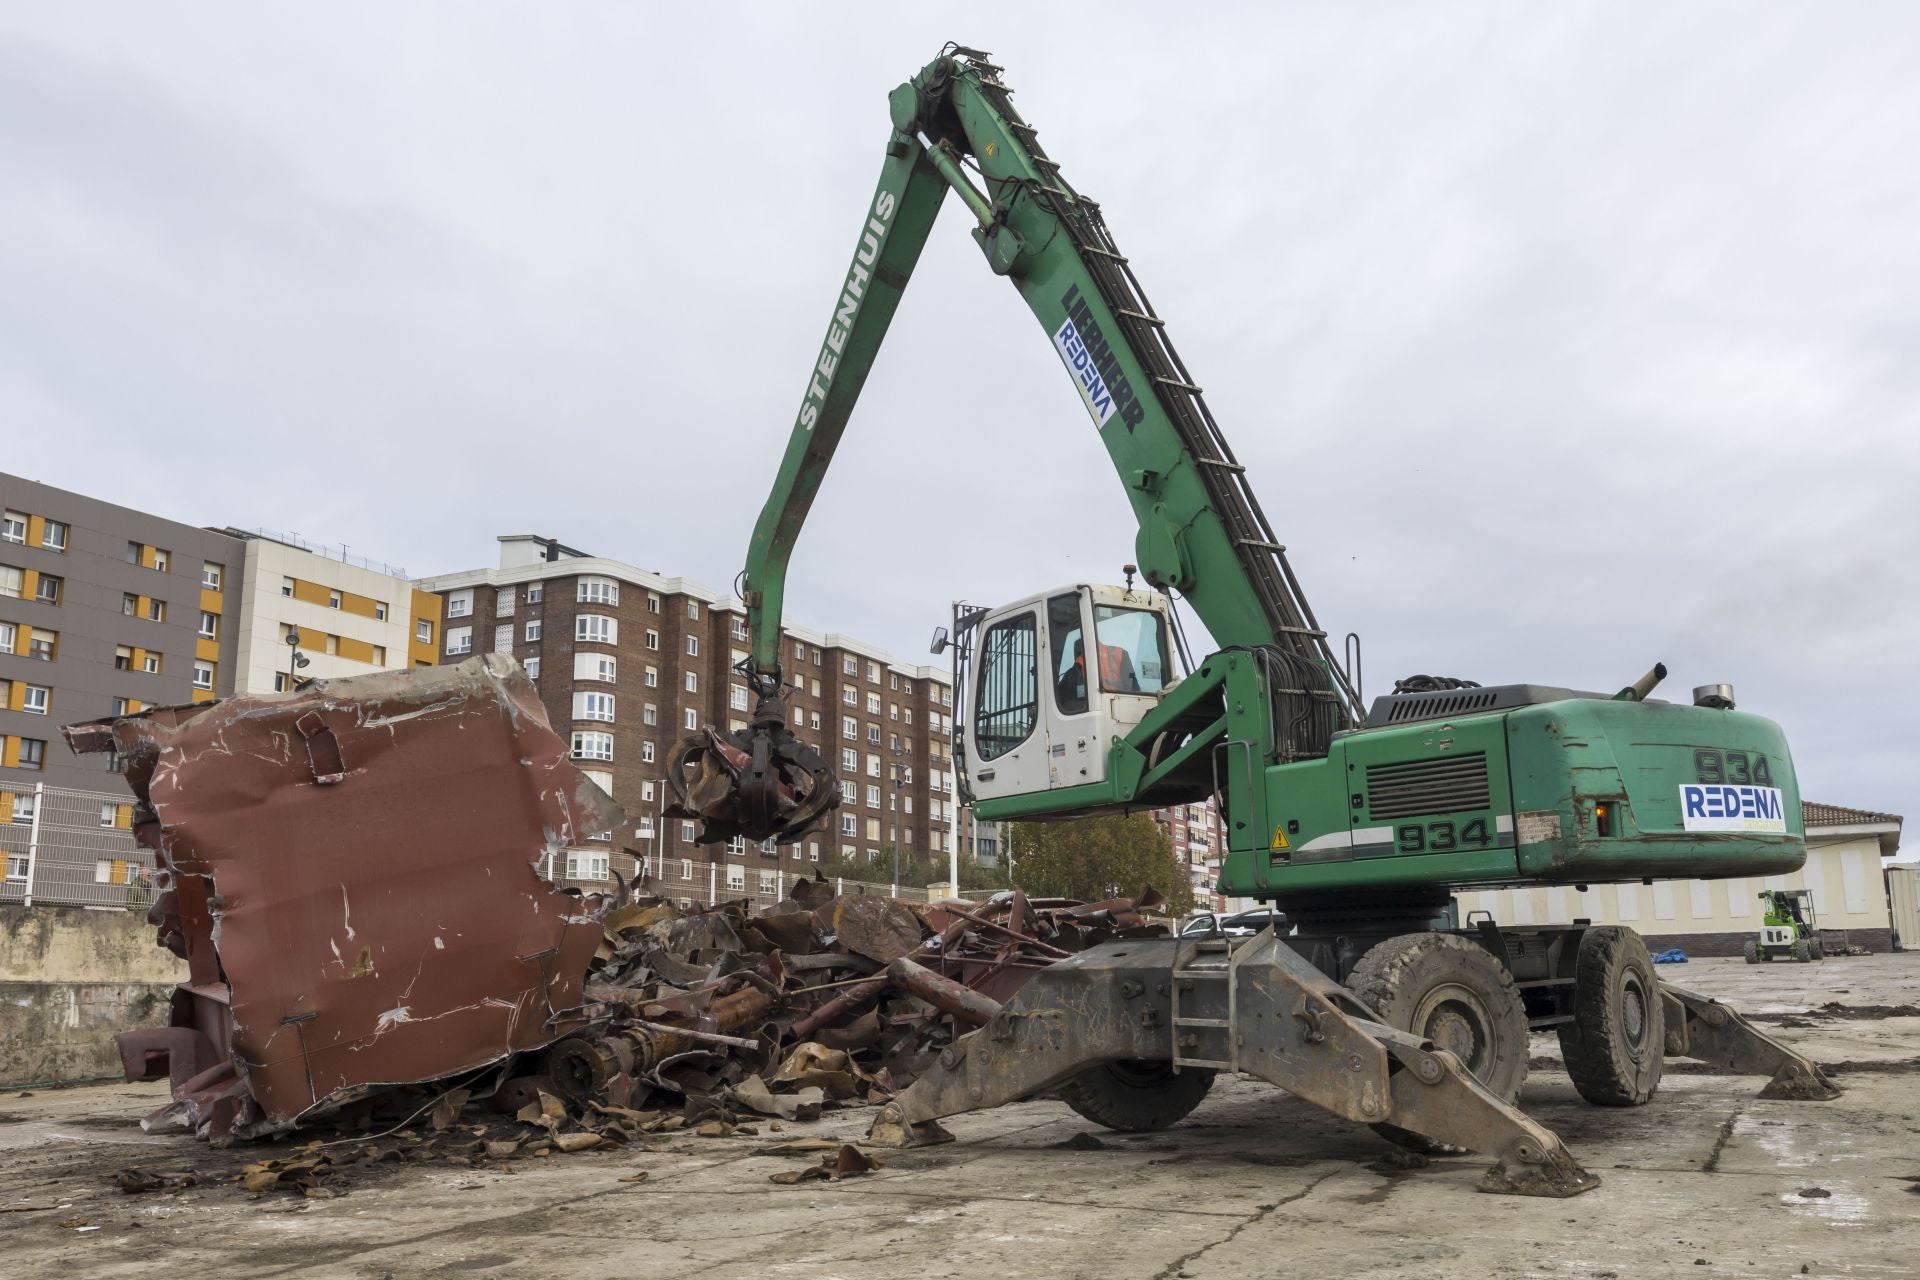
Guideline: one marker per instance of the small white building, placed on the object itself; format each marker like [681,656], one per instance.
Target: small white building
[1847,852]
[350,616]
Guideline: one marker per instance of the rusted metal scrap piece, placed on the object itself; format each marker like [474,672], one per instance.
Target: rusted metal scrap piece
[352,873]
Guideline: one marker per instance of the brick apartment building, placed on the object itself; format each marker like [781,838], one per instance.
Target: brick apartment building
[1199,840]
[628,661]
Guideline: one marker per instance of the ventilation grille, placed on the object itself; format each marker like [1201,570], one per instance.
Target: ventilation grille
[1449,704]
[1447,784]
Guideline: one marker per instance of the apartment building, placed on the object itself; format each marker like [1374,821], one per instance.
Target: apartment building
[346,615]
[106,610]
[1199,841]
[628,661]
[103,610]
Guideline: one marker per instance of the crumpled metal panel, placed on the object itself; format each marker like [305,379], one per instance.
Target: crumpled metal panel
[354,874]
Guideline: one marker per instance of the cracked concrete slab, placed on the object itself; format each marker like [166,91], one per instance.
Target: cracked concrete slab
[1254,1183]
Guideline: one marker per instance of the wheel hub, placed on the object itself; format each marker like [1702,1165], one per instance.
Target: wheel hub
[1454,1018]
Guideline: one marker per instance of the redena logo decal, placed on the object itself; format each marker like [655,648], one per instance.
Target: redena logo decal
[1089,357]
[1714,807]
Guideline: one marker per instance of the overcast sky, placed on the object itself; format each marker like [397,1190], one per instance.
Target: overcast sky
[1558,339]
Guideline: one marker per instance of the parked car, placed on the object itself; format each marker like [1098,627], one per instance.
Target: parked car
[1243,924]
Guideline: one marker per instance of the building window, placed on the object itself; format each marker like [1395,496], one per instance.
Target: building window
[597,591]
[799,651]
[737,628]
[161,559]
[693,646]
[691,718]
[423,630]
[42,645]
[653,640]
[692,682]
[849,727]
[48,589]
[11,580]
[813,721]
[379,610]
[156,610]
[873,704]
[13,527]
[592,745]
[279,682]
[737,697]
[693,610]
[209,625]
[650,714]
[33,753]
[460,603]
[850,695]
[849,665]
[646,752]
[586,864]
[849,825]
[536,592]
[652,679]
[686,832]
[873,734]
[736,876]
[503,638]
[533,630]
[599,667]
[593,706]
[129,605]
[873,764]
[23,811]
[873,797]
[151,664]
[286,587]
[532,667]
[203,675]
[109,815]
[333,599]
[596,628]
[459,639]
[849,758]
[37,699]
[53,536]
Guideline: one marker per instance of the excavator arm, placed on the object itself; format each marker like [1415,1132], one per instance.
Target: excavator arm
[1201,531]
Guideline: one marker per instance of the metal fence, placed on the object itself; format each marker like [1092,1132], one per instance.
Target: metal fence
[65,847]
[691,882]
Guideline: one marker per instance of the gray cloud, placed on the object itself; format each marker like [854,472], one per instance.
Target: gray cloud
[1556,339]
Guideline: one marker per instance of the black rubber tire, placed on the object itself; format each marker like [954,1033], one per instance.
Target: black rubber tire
[1752,951]
[1802,951]
[1449,990]
[1616,1045]
[1136,1097]
[1819,949]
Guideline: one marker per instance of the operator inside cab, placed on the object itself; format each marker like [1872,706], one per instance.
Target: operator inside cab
[1117,674]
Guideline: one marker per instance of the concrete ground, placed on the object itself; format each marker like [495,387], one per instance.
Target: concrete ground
[1706,1181]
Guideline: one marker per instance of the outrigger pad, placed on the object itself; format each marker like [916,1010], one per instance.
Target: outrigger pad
[1557,1175]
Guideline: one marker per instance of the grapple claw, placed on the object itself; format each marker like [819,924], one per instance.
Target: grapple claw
[756,783]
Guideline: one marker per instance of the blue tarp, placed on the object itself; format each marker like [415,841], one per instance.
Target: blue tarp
[1673,955]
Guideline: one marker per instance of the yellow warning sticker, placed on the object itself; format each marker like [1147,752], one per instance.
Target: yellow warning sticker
[1280,839]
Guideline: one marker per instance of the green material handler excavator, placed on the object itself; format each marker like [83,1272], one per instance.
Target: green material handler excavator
[1359,823]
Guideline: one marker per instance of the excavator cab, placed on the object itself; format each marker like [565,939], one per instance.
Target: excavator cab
[1051,680]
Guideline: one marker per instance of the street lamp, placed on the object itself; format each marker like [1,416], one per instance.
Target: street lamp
[295,658]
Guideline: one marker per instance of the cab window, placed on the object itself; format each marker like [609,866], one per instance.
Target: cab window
[1069,655]
[1132,646]
[1005,706]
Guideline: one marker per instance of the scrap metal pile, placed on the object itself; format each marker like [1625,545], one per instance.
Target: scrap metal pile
[819,1001]
[358,876]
